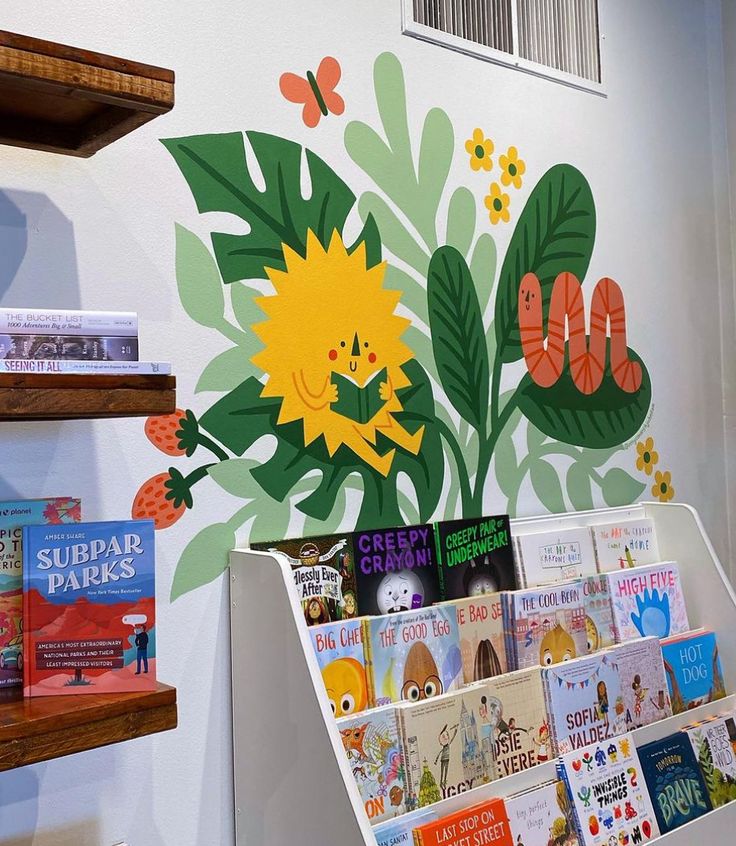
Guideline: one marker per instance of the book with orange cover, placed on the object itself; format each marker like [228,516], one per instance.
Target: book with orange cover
[484,823]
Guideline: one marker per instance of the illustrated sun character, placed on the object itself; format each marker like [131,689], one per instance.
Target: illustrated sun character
[333,351]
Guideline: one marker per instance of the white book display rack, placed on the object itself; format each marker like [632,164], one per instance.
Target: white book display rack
[293,784]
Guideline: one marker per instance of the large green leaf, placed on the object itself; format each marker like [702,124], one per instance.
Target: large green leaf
[198,280]
[216,169]
[458,338]
[555,233]
[620,488]
[547,487]
[606,418]
[579,487]
[204,558]
[227,369]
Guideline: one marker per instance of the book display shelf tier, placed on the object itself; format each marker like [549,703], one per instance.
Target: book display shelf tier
[293,782]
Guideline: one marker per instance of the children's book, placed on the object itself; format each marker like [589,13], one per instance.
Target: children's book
[324,574]
[484,823]
[547,557]
[599,629]
[541,816]
[89,608]
[358,402]
[643,682]
[413,655]
[482,642]
[713,741]
[447,745]
[13,516]
[546,624]
[396,569]
[608,792]
[518,718]
[341,658]
[647,601]
[628,543]
[585,702]
[373,747]
[476,556]
[400,832]
[693,668]
[674,780]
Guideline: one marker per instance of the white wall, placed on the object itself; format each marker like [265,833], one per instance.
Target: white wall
[100,235]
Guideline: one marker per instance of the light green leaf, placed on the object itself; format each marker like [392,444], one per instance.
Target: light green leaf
[461,220]
[205,558]
[226,370]
[547,487]
[507,467]
[272,522]
[413,295]
[245,309]
[598,457]
[483,268]
[394,234]
[198,280]
[579,487]
[435,158]
[534,438]
[421,345]
[234,477]
[619,488]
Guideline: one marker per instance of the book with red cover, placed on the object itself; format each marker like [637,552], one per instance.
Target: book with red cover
[487,823]
[89,608]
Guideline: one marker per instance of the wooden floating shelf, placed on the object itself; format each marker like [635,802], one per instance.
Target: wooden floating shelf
[65,100]
[45,396]
[45,727]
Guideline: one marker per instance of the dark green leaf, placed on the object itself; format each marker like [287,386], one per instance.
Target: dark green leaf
[619,488]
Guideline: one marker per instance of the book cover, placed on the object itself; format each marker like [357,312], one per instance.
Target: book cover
[69,347]
[542,816]
[476,556]
[643,682]
[628,543]
[400,832]
[548,557]
[60,321]
[609,795]
[13,516]
[647,601]
[674,780]
[484,823]
[110,368]
[341,658]
[373,748]
[713,742]
[447,745]
[518,717]
[547,624]
[693,668]
[599,628]
[324,574]
[358,402]
[585,702]
[89,608]
[413,655]
[396,569]
[482,643]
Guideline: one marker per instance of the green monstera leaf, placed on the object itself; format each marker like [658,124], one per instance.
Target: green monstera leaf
[216,169]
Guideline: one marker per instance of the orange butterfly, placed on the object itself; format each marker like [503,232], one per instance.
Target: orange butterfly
[316,93]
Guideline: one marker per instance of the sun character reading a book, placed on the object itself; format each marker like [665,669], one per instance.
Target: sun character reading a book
[333,351]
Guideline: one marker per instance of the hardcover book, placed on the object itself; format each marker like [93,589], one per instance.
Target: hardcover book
[55,321]
[359,403]
[674,781]
[447,745]
[541,816]
[693,668]
[476,556]
[400,832]
[69,347]
[547,557]
[713,742]
[396,569]
[110,368]
[373,748]
[484,823]
[89,608]
[413,655]
[599,629]
[647,601]
[643,682]
[13,516]
[628,543]
[341,658]
[482,644]
[608,793]
[324,574]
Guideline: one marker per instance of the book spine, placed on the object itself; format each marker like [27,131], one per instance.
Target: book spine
[26,321]
[66,366]
[69,347]
[440,560]
[417,836]
[519,566]
[368,657]
[26,622]
[562,775]
[409,782]
[595,550]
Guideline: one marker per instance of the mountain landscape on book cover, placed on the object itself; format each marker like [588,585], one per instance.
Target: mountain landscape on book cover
[693,668]
[324,574]
[643,682]
[476,556]
[713,741]
[358,402]
[89,608]
[482,643]
[13,516]
[396,569]
[485,823]
[674,780]
[341,659]
[542,816]
[628,543]
[547,557]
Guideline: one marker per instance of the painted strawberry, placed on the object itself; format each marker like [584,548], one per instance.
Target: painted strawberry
[156,500]
[163,432]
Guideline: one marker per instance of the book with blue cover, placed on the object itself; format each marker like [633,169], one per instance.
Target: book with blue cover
[693,668]
[341,659]
[89,607]
[400,832]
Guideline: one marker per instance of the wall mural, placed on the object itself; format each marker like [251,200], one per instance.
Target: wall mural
[397,367]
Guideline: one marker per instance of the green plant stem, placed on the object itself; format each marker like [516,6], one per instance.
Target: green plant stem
[197,474]
[232,333]
[214,448]
[495,392]
[487,445]
[462,470]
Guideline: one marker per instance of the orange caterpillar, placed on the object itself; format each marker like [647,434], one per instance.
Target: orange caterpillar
[587,361]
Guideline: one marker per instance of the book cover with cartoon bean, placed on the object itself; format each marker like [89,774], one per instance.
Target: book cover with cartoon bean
[542,816]
[324,574]
[693,669]
[413,655]
[647,601]
[599,628]
[396,569]
[482,642]
[548,557]
[608,791]
[628,543]
[476,556]
[341,659]
[643,682]
[447,743]
[373,747]
[714,741]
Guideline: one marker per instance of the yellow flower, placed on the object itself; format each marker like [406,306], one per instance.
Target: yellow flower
[480,148]
[497,204]
[648,457]
[513,168]
[662,487]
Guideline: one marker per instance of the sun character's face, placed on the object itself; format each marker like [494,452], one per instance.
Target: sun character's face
[346,686]
[354,356]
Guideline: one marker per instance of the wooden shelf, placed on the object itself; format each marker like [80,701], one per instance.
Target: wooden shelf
[31,396]
[66,100]
[45,727]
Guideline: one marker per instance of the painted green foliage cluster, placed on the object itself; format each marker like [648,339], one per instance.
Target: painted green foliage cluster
[465,333]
